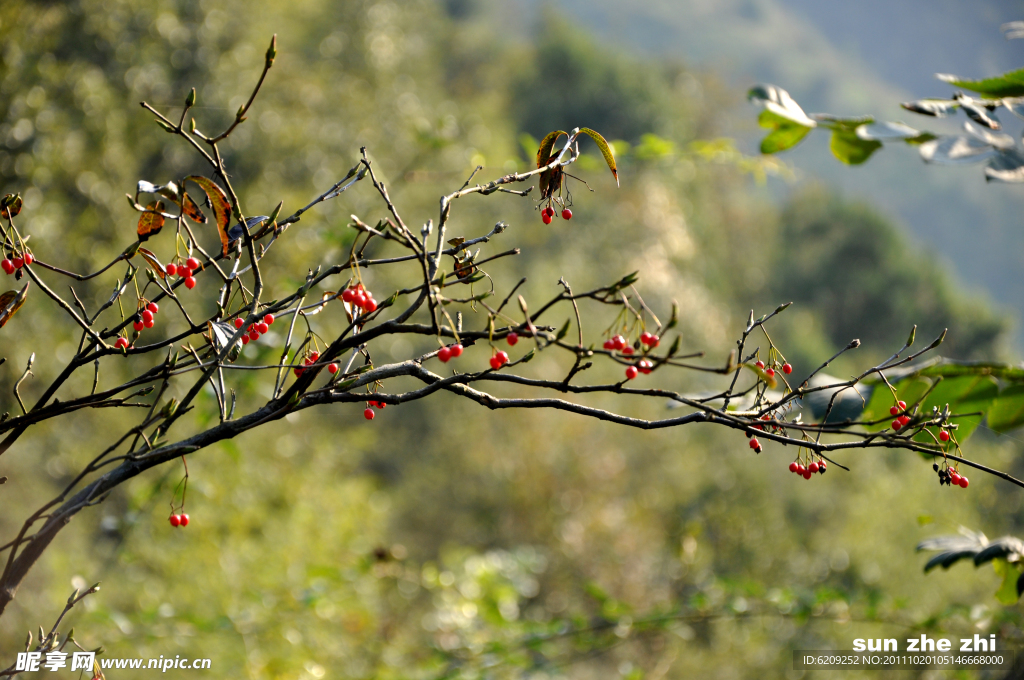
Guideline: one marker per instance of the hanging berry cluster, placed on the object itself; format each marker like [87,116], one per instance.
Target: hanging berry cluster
[16,261]
[358,296]
[815,466]
[184,270]
[449,352]
[255,330]
[950,477]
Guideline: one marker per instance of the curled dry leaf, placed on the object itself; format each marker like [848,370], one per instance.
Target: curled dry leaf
[221,207]
[151,221]
[151,260]
[10,206]
[11,302]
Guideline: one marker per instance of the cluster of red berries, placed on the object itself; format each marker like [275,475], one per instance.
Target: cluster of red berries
[179,520]
[310,359]
[903,419]
[449,352]
[358,296]
[498,360]
[618,343]
[770,371]
[368,413]
[255,330]
[548,214]
[649,339]
[184,270]
[644,367]
[950,477]
[12,264]
[816,466]
[146,318]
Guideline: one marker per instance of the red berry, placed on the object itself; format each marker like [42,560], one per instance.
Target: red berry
[28,258]
[152,306]
[800,469]
[147,315]
[645,338]
[348,294]
[314,357]
[149,324]
[381,405]
[245,341]
[184,272]
[190,283]
[171,269]
[371,305]
[368,414]
[254,336]
[456,350]
[359,299]
[620,342]
[175,520]
[955,478]
[807,473]
[902,405]
[770,372]
[503,357]
[793,467]
[631,372]
[298,369]
[894,410]
[822,466]
[19,262]
[627,350]
[904,420]
[512,338]
[566,214]
[813,467]
[495,363]
[268,319]
[332,368]
[609,344]
[239,322]
[184,520]
[138,326]
[546,218]
[655,340]
[645,367]
[8,266]
[753,443]
[444,354]
[896,424]
[787,369]
[262,328]
[192,263]
[759,364]
[120,343]
[944,436]
[964,482]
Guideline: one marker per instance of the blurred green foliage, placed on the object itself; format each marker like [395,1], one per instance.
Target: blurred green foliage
[443,539]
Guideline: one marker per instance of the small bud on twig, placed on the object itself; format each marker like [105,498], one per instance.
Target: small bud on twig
[190,101]
[913,334]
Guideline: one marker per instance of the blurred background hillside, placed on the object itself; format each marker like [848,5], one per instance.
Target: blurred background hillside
[443,539]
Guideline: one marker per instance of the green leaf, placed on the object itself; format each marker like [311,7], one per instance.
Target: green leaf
[964,394]
[784,135]
[1009,84]
[563,330]
[606,151]
[1007,593]
[909,390]
[1007,412]
[851,149]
